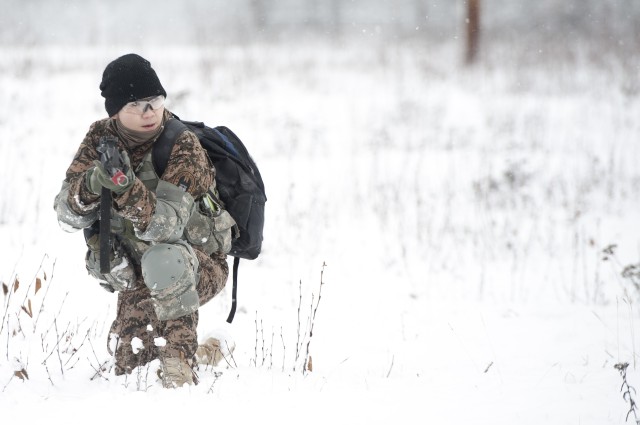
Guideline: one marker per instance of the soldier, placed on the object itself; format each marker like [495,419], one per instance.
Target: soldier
[168,241]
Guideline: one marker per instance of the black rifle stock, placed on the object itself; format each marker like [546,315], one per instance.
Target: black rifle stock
[105,231]
[112,162]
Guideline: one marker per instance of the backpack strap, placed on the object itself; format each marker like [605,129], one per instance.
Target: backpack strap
[161,151]
[163,145]
[234,292]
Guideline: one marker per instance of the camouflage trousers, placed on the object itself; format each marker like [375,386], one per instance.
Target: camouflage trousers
[137,336]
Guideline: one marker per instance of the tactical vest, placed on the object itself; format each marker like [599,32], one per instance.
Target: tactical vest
[146,172]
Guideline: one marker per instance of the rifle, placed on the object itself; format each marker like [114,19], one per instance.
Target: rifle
[111,160]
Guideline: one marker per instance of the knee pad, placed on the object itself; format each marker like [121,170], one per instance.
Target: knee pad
[170,273]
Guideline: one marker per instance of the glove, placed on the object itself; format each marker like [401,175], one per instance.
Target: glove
[98,177]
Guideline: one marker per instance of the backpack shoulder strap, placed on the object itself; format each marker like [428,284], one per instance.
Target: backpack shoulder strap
[161,151]
[163,146]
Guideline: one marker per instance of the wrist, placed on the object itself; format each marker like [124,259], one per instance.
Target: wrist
[119,190]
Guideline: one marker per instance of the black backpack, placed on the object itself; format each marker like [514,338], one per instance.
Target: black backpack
[238,182]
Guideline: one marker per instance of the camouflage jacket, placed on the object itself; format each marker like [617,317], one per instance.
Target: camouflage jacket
[149,212]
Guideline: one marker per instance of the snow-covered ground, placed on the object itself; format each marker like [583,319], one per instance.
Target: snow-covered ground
[461,213]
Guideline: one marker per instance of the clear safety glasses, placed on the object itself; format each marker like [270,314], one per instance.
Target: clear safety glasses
[141,106]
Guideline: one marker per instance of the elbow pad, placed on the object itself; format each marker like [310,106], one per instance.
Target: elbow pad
[173,209]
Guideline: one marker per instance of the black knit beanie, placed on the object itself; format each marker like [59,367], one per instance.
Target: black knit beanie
[128,78]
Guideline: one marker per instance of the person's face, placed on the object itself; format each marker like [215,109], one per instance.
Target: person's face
[142,115]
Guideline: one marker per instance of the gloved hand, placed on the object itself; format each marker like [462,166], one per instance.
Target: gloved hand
[98,177]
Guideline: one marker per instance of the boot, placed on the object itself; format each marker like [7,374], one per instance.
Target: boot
[176,372]
[211,352]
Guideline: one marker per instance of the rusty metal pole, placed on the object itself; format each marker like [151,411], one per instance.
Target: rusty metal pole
[473,30]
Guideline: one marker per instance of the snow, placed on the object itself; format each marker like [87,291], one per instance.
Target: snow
[461,213]
[137,345]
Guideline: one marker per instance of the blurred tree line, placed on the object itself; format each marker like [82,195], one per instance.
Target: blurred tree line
[473,24]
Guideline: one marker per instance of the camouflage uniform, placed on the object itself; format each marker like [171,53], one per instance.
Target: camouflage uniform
[134,318]
[144,217]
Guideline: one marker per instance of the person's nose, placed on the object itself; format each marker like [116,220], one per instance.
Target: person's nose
[148,110]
